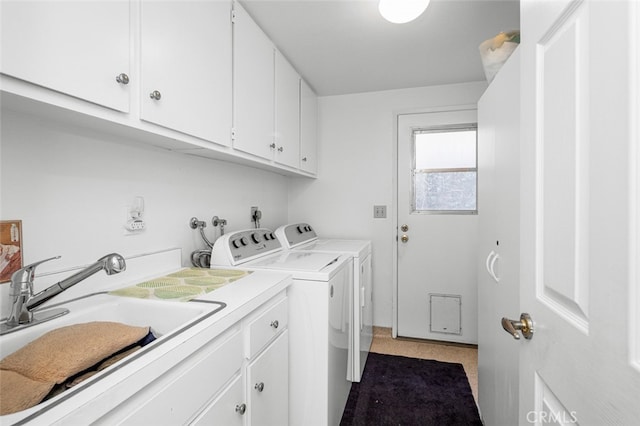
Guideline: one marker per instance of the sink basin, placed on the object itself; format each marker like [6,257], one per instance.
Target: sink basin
[164,318]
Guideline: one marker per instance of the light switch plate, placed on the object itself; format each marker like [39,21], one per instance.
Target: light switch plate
[379,212]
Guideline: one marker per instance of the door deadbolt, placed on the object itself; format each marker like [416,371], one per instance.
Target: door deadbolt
[404,228]
[524,325]
[404,238]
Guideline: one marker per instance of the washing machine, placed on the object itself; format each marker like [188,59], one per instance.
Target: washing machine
[302,236]
[320,315]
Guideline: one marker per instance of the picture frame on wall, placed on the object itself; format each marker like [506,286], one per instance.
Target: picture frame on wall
[10,248]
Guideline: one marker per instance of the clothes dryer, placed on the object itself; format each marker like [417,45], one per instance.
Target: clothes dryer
[320,315]
[302,237]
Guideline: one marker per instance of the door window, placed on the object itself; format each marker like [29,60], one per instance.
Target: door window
[445,170]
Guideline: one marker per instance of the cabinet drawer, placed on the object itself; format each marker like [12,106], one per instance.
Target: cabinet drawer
[266,326]
[175,397]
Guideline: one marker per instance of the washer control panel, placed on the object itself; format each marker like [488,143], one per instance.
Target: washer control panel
[295,234]
[241,246]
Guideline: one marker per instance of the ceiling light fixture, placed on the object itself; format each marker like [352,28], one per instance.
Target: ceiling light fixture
[402,11]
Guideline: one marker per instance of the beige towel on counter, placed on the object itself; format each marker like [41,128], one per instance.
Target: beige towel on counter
[27,375]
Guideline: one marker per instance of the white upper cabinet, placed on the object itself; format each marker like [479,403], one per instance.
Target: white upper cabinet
[76,48]
[287,98]
[186,67]
[308,129]
[253,88]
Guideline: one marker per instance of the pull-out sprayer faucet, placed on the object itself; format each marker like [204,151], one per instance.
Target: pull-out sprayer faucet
[24,301]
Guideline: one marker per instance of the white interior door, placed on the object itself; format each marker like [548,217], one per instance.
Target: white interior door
[499,243]
[436,255]
[578,214]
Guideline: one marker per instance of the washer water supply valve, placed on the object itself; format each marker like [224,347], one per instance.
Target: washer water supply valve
[134,220]
[256,215]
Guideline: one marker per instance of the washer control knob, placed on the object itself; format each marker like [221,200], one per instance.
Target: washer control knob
[273,237]
[300,229]
[244,241]
[235,243]
[255,238]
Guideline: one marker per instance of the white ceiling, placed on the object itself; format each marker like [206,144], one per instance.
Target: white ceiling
[345,46]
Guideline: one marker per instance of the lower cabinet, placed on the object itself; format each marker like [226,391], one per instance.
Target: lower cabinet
[268,384]
[226,408]
[241,377]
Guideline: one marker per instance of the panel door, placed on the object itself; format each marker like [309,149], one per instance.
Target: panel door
[578,216]
[186,67]
[287,98]
[76,48]
[268,384]
[439,255]
[253,87]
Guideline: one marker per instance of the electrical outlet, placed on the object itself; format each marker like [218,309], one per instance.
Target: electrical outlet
[133,222]
[135,225]
[379,212]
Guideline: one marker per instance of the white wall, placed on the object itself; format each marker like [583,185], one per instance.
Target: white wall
[356,155]
[70,187]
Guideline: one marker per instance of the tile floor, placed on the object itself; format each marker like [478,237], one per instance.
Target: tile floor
[467,355]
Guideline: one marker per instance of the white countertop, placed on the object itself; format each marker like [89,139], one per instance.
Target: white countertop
[99,397]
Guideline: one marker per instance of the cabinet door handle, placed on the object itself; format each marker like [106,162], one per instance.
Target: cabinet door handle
[281,149]
[122,78]
[241,409]
[488,261]
[304,159]
[275,324]
[492,270]
[155,95]
[259,387]
[272,145]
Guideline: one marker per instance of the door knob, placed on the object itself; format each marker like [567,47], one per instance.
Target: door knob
[524,325]
[404,238]
[155,95]
[404,228]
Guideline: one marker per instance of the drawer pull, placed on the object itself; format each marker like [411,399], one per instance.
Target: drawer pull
[240,409]
[275,324]
[259,386]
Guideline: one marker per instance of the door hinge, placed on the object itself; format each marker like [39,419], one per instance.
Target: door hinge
[233,133]
[233,16]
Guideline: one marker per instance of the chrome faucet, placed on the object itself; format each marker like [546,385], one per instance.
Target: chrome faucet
[24,301]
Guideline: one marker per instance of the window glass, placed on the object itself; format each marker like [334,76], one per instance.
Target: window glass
[445,172]
[446,150]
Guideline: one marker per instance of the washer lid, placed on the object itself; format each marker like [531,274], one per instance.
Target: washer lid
[296,261]
[356,248]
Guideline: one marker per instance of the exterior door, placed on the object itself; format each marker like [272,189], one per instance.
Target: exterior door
[436,255]
[579,213]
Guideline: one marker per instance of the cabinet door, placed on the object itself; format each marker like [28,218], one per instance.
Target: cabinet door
[268,384]
[186,63]
[308,128]
[499,242]
[253,85]
[287,98]
[76,48]
[227,409]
